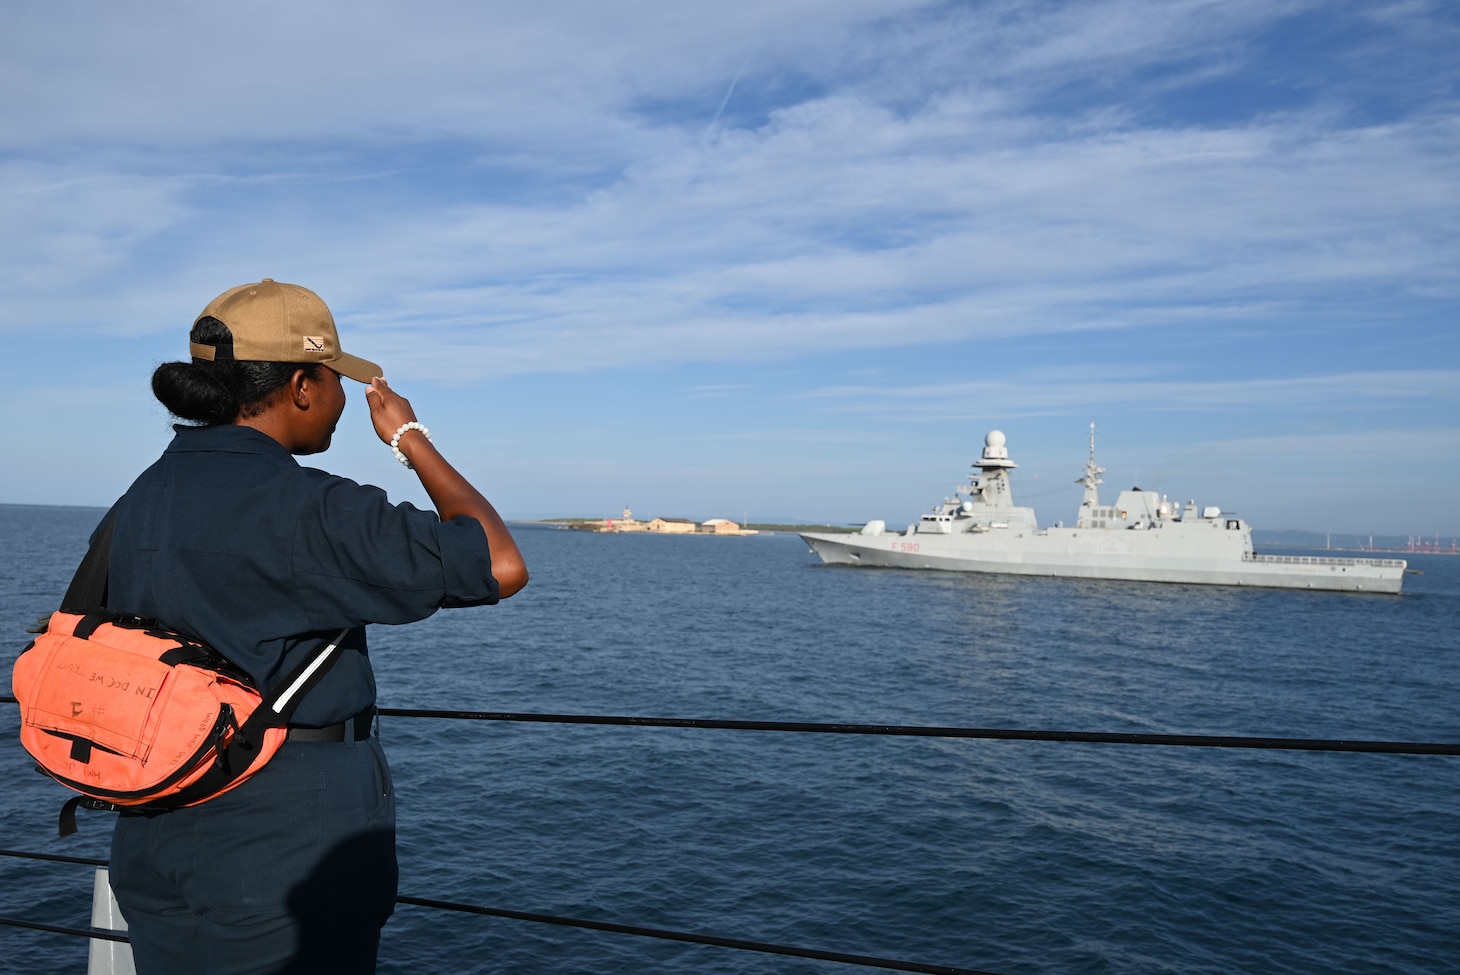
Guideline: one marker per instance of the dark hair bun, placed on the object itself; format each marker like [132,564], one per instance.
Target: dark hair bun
[192,391]
[219,392]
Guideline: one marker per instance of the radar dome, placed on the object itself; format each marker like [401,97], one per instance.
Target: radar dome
[995,454]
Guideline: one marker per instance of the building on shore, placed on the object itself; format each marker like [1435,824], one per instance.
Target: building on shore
[664,526]
[672,527]
[724,526]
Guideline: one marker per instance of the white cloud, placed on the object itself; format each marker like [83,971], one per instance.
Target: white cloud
[1134,387]
[252,72]
[1158,188]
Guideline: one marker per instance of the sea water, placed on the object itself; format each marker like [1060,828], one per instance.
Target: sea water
[1008,856]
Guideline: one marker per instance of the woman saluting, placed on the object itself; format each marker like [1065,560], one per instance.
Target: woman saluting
[227,538]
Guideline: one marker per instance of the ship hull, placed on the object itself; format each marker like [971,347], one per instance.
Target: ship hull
[1106,558]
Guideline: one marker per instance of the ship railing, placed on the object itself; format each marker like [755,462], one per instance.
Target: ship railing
[1323,560]
[102,934]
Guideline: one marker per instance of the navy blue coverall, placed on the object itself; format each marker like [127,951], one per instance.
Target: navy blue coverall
[227,538]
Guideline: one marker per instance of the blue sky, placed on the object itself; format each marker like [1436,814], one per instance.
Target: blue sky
[789,259]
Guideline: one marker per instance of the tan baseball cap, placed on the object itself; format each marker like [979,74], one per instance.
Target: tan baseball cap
[276,322]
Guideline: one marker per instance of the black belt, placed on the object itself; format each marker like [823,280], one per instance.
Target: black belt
[336,732]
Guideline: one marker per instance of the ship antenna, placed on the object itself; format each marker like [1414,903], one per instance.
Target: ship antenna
[1091,478]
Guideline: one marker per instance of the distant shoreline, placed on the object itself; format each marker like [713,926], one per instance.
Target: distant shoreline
[1261,539]
[764,528]
[1361,550]
[1307,541]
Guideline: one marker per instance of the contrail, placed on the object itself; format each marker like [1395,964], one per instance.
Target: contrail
[728,92]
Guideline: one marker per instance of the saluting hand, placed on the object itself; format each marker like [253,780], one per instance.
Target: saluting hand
[389,410]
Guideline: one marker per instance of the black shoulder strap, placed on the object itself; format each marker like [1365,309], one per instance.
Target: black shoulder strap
[285,698]
[87,592]
[273,711]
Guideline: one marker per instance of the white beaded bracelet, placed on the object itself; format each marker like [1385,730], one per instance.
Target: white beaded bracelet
[395,440]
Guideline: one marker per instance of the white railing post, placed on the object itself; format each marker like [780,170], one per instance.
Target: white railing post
[107,957]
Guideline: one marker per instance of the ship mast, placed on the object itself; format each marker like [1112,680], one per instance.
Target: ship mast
[1091,478]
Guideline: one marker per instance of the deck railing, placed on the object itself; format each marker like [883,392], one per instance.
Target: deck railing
[1322,560]
[1093,737]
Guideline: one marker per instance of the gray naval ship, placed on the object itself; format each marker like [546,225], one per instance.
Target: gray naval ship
[1143,537]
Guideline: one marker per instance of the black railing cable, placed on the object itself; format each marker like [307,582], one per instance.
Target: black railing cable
[104,934]
[25,855]
[866,961]
[920,731]
[1105,737]
[100,933]
[804,727]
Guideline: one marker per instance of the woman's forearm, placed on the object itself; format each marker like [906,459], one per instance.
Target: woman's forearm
[453,495]
[450,492]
